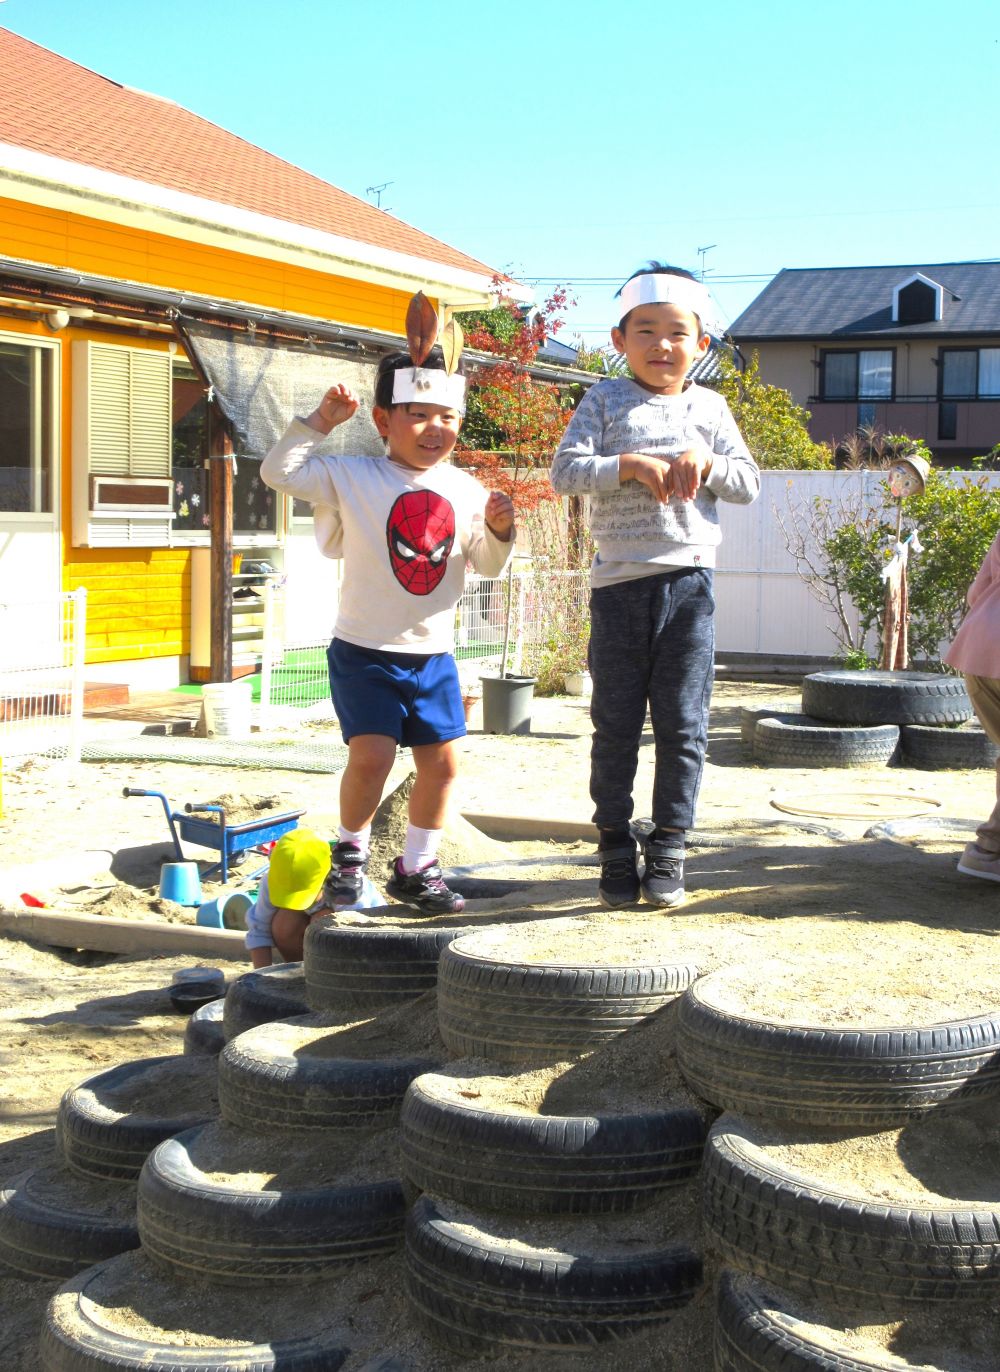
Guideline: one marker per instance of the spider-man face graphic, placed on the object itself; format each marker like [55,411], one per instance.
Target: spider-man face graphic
[420,532]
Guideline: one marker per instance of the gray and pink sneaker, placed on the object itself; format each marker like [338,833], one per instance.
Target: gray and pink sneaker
[425,889]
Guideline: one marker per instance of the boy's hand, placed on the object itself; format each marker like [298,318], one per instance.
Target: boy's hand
[336,407]
[690,470]
[500,515]
[655,472]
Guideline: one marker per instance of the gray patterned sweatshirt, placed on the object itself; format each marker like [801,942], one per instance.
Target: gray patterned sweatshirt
[636,534]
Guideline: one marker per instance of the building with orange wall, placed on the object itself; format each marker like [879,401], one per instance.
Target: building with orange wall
[128,224]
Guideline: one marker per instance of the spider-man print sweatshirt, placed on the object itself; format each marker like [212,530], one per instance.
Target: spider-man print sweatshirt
[405,537]
[636,534]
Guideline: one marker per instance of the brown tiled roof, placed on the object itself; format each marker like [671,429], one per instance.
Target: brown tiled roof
[51,105]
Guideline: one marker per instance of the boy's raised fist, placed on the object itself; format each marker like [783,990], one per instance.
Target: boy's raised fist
[336,407]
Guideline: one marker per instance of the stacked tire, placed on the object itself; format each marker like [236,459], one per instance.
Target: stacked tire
[499,1252]
[871,719]
[810,1257]
[184,1225]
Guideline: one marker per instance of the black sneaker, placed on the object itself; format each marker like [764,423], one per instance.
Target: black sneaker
[663,877]
[346,879]
[619,875]
[425,889]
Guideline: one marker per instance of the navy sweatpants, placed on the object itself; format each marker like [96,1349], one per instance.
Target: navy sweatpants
[652,641]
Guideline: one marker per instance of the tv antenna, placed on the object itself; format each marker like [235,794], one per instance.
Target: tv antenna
[377,192]
[701,253]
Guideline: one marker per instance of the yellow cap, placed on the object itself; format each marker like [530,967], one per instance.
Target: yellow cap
[299,864]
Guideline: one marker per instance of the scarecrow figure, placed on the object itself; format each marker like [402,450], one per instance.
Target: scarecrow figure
[907,476]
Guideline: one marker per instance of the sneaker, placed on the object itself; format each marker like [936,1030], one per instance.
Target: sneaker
[976,862]
[663,877]
[425,889]
[619,876]
[346,880]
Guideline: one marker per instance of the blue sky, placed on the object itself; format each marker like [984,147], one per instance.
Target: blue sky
[571,141]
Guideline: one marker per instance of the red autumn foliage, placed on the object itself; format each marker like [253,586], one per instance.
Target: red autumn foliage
[529,413]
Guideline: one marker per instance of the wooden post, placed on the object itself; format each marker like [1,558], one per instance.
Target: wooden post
[221,513]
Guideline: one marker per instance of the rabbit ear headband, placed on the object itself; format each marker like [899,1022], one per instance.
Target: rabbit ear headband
[432,385]
[663,288]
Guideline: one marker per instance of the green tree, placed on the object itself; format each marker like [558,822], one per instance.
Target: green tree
[773,426]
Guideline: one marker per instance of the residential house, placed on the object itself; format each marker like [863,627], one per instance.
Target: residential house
[909,349]
[169,291]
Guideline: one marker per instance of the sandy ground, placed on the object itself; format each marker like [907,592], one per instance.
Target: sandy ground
[784,861]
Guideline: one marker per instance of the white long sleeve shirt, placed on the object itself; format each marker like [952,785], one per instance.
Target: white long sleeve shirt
[405,537]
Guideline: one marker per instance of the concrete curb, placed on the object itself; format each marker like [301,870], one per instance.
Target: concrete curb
[523,827]
[108,935]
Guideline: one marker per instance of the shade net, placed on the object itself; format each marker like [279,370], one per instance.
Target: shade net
[261,384]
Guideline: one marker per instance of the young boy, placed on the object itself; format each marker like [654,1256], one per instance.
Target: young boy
[290,896]
[655,453]
[405,526]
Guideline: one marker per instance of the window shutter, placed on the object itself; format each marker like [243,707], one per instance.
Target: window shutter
[129,403]
[122,429]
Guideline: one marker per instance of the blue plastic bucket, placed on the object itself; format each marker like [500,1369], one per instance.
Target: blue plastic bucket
[181,883]
[227,911]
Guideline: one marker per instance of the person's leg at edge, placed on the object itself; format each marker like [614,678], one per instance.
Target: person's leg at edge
[416,876]
[682,629]
[618,660]
[982,858]
[369,762]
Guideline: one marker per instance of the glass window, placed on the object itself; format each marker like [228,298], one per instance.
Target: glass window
[26,427]
[947,419]
[989,372]
[958,373]
[254,507]
[840,376]
[875,374]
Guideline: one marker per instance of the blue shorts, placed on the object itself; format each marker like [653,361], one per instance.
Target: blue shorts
[414,698]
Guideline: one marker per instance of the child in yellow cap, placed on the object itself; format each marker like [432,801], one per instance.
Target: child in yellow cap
[290,897]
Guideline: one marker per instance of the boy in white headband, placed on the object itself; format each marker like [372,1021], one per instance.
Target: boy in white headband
[405,526]
[655,453]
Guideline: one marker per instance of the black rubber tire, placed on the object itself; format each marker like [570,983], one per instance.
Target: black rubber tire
[42,1237]
[471,1294]
[545,1164]
[517,1012]
[931,749]
[262,1085]
[364,969]
[750,715]
[97,1140]
[752,1334]
[263,997]
[204,1034]
[204,1229]
[795,742]
[803,1235]
[886,698]
[74,1339]
[874,1078]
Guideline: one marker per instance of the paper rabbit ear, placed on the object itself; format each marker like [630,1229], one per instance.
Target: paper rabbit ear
[421,328]
[452,341]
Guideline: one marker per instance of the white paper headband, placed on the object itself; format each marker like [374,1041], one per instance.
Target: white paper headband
[429,384]
[662,288]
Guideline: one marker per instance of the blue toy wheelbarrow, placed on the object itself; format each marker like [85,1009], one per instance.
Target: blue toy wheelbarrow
[227,839]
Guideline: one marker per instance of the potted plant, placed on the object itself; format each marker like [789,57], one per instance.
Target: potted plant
[522,419]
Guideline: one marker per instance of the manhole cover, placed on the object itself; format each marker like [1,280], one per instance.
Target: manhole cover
[857,805]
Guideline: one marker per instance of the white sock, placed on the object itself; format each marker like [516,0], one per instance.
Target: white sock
[362,837]
[421,848]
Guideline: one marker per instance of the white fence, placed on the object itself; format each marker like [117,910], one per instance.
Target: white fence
[41,675]
[763,606]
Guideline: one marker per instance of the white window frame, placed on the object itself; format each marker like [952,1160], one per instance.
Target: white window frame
[51,349]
